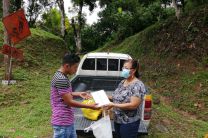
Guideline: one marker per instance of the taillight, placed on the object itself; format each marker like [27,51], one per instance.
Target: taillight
[148,104]
[147,114]
[147,107]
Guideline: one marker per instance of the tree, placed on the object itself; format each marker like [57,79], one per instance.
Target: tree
[15,5]
[78,24]
[1,9]
[35,8]
[103,3]
[116,19]
[177,8]
[90,38]
[51,21]
[166,2]
[62,11]
[146,2]
[122,18]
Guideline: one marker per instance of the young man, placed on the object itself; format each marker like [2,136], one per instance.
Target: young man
[62,99]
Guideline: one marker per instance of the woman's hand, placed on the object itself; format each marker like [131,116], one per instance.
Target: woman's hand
[109,106]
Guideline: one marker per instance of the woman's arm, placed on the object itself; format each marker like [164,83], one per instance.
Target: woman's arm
[134,103]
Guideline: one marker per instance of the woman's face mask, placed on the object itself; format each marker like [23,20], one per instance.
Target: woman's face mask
[125,73]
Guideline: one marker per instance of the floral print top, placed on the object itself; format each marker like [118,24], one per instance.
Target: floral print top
[122,95]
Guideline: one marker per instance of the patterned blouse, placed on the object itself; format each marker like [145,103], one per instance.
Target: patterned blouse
[122,95]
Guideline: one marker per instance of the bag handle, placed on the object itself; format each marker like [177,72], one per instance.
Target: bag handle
[105,112]
[87,129]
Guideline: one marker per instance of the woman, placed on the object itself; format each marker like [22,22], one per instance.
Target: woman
[127,99]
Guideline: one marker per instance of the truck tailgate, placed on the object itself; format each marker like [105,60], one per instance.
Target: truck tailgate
[81,123]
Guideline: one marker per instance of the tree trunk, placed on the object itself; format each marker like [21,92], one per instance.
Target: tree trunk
[79,37]
[79,42]
[63,25]
[78,29]
[177,9]
[75,31]
[62,10]
[7,59]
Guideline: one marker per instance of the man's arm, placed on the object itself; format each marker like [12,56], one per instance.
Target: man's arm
[76,94]
[68,99]
[83,95]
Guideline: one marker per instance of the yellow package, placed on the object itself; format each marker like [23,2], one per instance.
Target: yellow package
[90,113]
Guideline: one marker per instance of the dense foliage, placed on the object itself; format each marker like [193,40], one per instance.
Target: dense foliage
[118,20]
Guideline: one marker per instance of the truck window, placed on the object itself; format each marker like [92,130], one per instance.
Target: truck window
[89,64]
[101,64]
[113,64]
[121,64]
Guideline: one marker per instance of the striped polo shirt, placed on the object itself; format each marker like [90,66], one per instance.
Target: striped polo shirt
[62,114]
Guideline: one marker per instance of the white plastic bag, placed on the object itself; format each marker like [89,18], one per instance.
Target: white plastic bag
[101,128]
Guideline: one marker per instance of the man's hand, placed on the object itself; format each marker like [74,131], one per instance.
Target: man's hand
[94,107]
[85,95]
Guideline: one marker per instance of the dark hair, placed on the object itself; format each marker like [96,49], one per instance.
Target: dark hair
[134,65]
[70,59]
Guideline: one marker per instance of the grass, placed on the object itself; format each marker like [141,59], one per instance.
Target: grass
[183,90]
[177,123]
[137,45]
[25,107]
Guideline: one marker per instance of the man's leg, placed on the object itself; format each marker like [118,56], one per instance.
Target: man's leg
[72,131]
[59,132]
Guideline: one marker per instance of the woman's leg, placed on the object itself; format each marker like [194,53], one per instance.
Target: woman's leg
[129,130]
[117,130]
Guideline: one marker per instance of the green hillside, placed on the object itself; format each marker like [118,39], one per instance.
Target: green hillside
[174,59]
[39,48]
[25,107]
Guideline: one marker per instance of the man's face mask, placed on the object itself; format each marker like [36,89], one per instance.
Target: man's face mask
[125,73]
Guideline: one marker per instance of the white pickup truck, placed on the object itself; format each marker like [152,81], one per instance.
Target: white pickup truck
[101,71]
